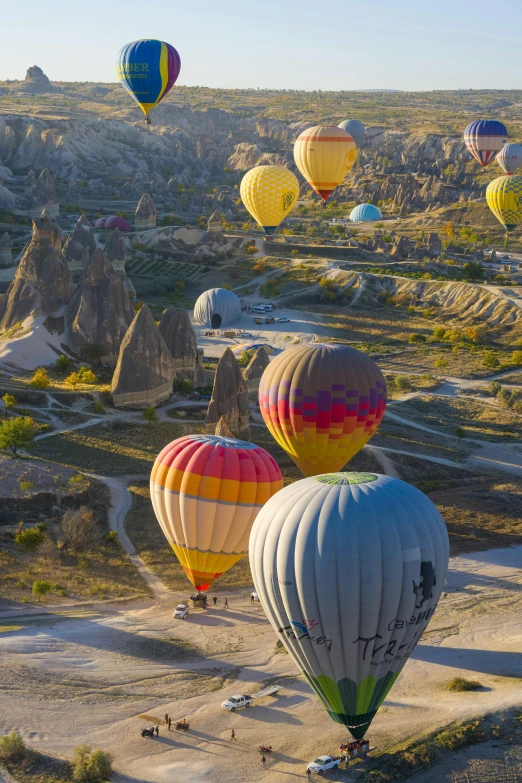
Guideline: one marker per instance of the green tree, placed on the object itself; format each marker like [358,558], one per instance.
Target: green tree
[62,363]
[86,375]
[402,383]
[73,380]
[29,539]
[9,401]
[490,360]
[460,433]
[12,747]
[17,433]
[41,587]
[516,358]
[92,353]
[40,379]
[91,766]
[473,270]
[150,415]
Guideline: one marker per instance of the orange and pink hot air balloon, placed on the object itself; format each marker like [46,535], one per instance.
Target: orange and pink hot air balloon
[322,403]
[206,492]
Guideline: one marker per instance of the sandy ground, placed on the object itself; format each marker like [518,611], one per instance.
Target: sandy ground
[303,328]
[68,679]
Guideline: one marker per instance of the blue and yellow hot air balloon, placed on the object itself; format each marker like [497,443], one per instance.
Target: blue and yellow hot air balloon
[148,69]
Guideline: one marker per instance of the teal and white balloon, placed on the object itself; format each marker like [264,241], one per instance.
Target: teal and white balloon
[349,568]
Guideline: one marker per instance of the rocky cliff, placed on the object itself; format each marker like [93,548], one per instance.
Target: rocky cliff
[144,373]
[177,331]
[116,252]
[229,398]
[80,244]
[100,311]
[253,372]
[43,282]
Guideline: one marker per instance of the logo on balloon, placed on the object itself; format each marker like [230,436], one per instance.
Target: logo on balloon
[288,199]
[426,583]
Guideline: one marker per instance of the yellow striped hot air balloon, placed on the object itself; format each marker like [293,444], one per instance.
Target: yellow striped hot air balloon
[269,193]
[206,492]
[504,197]
[324,155]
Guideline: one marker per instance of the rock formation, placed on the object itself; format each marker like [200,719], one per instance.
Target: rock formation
[254,370]
[43,282]
[116,252]
[177,331]
[6,257]
[100,311]
[30,182]
[144,373]
[434,245]
[229,398]
[222,429]
[43,196]
[402,247]
[80,244]
[146,215]
[37,82]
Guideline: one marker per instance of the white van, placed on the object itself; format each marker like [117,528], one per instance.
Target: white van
[260,309]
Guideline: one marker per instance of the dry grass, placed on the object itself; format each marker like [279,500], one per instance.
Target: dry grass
[484,422]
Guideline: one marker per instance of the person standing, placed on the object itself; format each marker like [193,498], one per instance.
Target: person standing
[233,736]
[170,723]
[263,760]
[308,773]
[252,598]
[215,600]
[166,717]
[157,730]
[226,603]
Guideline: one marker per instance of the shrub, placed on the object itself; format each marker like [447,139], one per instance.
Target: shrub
[62,363]
[91,766]
[80,530]
[86,375]
[98,407]
[439,333]
[245,357]
[40,379]
[460,433]
[440,363]
[9,401]
[29,539]
[516,358]
[150,415]
[459,736]
[490,360]
[294,253]
[73,380]
[494,388]
[182,386]
[41,587]
[460,684]
[17,433]
[12,747]
[77,478]
[112,537]
[416,338]
[25,485]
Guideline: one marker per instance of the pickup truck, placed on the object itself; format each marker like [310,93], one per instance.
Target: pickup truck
[324,763]
[234,703]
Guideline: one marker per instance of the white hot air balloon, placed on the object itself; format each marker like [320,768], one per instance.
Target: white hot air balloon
[510,157]
[349,568]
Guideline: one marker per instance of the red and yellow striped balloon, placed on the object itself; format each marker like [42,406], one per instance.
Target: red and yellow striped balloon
[206,492]
[324,155]
[322,403]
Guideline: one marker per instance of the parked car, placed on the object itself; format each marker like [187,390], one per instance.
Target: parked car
[324,763]
[237,702]
[180,612]
[283,320]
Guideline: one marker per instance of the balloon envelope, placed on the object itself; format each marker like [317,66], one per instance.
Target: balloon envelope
[504,198]
[324,155]
[322,403]
[206,492]
[363,212]
[148,69]
[349,568]
[355,128]
[510,157]
[484,139]
[269,193]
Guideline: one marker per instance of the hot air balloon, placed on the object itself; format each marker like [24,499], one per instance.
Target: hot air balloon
[322,403]
[148,69]
[484,139]
[206,492]
[349,568]
[510,157]
[355,128]
[269,193]
[504,197]
[324,155]
[364,212]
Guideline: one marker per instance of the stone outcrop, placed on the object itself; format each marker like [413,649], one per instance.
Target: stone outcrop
[222,429]
[434,245]
[179,335]
[100,312]
[43,282]
[254,370]
[37,82]
[229,398]
[6,246]
[116,252]
[146,215]
[30,182]
[144,373]
[402,247]
[43,196]
[80,244]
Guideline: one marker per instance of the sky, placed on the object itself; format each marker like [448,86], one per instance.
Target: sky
[297,44]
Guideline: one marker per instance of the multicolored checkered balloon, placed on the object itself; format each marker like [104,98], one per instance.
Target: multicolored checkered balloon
[322,403]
